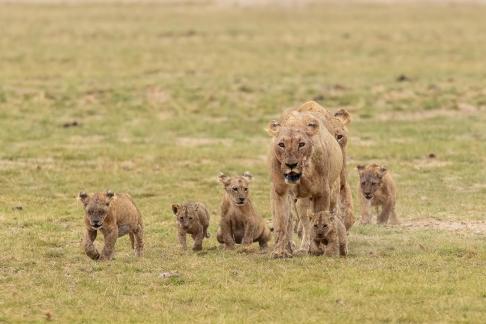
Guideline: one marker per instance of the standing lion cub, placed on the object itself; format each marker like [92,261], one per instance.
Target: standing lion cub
[192,218]
[240,222]
[377,189]
[114,215]
[328,235]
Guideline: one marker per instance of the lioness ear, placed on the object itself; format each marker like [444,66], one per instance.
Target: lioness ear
[312,127]
[247,175]
[224,179]
[84,197]
[360,167]
[273,128]
[175,208]
[343,115]
[383,170]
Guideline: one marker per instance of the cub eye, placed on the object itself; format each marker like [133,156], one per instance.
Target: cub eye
[325,225]
[301,144]
[363,183]
[190,217]
[281,145]
[315,225]
[235,189]
[246,189]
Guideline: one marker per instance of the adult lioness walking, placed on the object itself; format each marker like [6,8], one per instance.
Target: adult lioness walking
[306,161]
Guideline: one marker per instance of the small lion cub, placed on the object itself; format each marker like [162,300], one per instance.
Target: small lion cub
[114,215]
[192,218]
[328,235]
[240,223]
[377,189]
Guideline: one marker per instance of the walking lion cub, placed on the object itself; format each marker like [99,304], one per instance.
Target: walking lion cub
[328,235]
[192,218]
[114,215]
[240,223]
[377,189]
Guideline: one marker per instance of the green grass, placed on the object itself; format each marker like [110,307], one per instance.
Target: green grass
[167,95]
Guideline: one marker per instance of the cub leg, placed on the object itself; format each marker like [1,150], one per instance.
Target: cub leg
[182,239]
[393,217]
[314,248]
[226,235]
[365,211]
[332,248]
[138,235]
[89,247]
[198,239]
[385,213]
[132,240]
[110,240]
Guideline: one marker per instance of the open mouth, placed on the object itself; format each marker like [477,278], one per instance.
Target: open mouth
[292,177]
[96,227]
[240,203]
[368,197]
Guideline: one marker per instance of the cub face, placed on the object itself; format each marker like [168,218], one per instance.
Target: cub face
[341,119]
[371,179]
[96,207]
[186,215]
[237,187]
[323,223]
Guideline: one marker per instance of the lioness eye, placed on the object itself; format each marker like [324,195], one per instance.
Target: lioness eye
[281,144]
[325,225]
[302,144]
[190,218]
[235,189]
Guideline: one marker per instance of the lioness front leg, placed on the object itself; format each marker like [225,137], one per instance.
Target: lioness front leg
[346,200]
[110,240]
[302,206]
[323,201]
[89,247]
[281,222]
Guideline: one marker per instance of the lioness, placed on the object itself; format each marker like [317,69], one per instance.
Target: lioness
[336,125]
[192,218]
[240,223]
[328,235]
[114,215]
[377,189]
[306,162]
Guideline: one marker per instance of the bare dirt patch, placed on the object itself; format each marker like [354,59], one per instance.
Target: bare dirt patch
[476,227]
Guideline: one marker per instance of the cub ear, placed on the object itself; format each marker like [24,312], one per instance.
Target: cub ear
[110,194]
[312,127]
[360,167]
[84,197]
[175,208]
[310,215]
[247,175]
[224,179]
[331,217]
[273,128]
[344,116]
[382,171]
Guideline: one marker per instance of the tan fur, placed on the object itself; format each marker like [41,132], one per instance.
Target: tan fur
[114,215]
[336,125]
[377,189]
[240,223]
[328,235]
[192,218]
[306,162]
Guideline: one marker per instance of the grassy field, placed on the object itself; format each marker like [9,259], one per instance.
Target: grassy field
[167,95]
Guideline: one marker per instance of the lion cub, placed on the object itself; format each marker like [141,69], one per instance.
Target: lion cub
[240,223]
[192,218]
[328,235]
[377,189]
[114,215]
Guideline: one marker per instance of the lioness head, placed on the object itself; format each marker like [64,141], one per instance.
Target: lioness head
[96,207]
[237,187]
[292,147]
[371,179]
[322,223]
[185,214]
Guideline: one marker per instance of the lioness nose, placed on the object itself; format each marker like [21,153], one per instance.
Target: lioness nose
[291,165]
